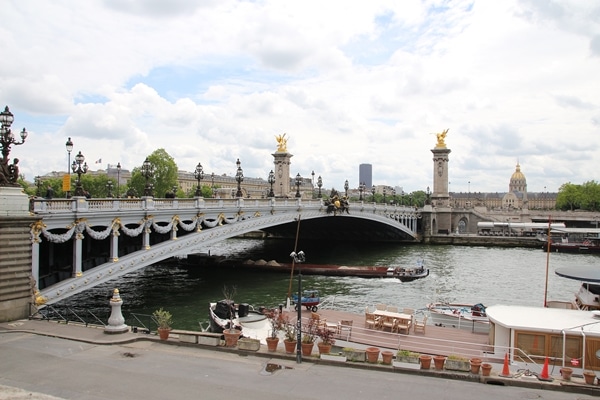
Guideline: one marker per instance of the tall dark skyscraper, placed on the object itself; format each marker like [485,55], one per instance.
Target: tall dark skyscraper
[365,175]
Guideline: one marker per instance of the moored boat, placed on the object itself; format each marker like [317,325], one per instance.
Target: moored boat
[409,274]
[471,317]
[252,323]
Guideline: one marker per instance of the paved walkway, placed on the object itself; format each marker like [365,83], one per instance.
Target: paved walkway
[97,336]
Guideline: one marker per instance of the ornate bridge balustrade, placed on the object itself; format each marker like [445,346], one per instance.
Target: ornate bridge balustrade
[128,234]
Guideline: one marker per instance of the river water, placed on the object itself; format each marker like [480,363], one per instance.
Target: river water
[488,275]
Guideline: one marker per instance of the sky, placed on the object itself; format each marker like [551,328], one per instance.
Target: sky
[348,82]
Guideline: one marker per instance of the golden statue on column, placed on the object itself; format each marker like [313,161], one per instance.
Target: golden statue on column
[281,143]
[441,137]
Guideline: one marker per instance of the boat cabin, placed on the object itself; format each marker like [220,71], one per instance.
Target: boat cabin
[567,337]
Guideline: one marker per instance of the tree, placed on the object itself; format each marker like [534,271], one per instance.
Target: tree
[164,177]
[569,196]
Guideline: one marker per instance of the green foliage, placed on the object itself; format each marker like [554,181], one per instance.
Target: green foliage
[585,197]
[164,177]
[163,318]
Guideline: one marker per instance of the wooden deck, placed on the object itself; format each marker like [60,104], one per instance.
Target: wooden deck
[435,340]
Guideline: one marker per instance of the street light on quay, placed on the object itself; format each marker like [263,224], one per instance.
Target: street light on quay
[148,173]
[118,178]
[9,172]
[271,180]
[199,175]
[373,192]
[212,183]
[384,195]
[239,177]
[299,258]
[79,167]
[69,147]
[346,187]
[319,184]
[298,183]
[38,183]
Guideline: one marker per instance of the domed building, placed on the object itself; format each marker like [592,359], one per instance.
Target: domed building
[517,191]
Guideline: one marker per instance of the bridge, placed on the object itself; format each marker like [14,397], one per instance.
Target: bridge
[124,235]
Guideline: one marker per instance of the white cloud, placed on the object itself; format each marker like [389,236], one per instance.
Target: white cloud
[350,83]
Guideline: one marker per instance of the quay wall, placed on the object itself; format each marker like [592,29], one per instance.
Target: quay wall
[490,241]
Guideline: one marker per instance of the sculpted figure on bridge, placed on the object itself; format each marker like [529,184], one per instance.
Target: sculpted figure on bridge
[281,143]
[441,137]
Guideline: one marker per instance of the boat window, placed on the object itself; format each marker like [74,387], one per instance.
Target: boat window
[572,349]
[533,344]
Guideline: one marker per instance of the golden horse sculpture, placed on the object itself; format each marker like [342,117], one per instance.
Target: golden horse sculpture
[441,137]
[281,143]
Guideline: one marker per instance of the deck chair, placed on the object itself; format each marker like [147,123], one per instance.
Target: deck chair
[371,321]
[392,308]
[402,326]
[381,306]
[344,328]
[388,322]
[419,326]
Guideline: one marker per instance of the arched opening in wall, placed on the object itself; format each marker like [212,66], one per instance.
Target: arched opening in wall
[462,226]
[434,227]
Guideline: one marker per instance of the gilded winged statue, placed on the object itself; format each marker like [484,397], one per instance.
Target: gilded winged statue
[441,137]
[281,143]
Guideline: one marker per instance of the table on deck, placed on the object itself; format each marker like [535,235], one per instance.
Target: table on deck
[401,321]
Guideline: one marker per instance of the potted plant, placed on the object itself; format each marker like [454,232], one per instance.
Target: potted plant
[164,321]
[566,373]
[475,365]
[486,369]
[276,325]
[353,354]
[425,360]
[327,340]
[387,356]
[457,363]
[372,354]
[231,333]
[290,341]
[438,362]
[589,376]
[308,338]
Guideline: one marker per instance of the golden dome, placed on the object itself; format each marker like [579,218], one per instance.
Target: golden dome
[517,175]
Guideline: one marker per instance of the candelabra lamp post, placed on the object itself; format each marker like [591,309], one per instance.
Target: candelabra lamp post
[69,147]
[271,180]
[118,178]
[298,183]
[299,258]
[109,188]
[9,173]
[361,189]
[199,175]
[239,177]
[38,183]
[319,184]
[394,196]
[212,183]
[346,187]
[79,167]
[148,173]
[384,195]
[373,192]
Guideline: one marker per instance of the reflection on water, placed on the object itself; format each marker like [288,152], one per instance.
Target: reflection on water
[457,274]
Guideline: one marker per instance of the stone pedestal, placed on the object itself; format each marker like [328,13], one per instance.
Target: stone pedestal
[13,202]
[282,163]
[116,322]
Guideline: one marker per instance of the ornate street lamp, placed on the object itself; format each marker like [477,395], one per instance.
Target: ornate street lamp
[212,183]
[118,178]
[239,177]
[428,193]
[361,188]
[346,187]
[271,180]
[79,167]
[373,192]
[9,172]
[69,146]
[38,183]
[199,175]
[298,183]
[109,188]
[394,196]
[148,173]
[319,184]
[313,184]
[384,195]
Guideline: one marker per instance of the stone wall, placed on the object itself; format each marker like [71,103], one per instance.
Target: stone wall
[15,268]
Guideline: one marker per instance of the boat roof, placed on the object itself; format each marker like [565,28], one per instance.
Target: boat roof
[584,274]
[590,231]
[544,319]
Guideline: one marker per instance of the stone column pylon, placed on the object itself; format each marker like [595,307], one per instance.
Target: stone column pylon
[116,322]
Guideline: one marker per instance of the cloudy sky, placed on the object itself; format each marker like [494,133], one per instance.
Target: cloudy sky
[349,82]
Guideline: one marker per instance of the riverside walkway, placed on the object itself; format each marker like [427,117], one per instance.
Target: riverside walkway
[85,344]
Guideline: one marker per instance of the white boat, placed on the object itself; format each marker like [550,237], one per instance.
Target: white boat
[409,274]
[253,323]
[470,317]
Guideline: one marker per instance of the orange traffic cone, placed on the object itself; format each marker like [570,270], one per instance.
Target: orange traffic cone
[505,371]
[544,376]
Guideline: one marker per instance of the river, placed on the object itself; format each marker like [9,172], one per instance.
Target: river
[488,275]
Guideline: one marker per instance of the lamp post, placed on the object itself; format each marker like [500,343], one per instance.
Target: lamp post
[313,184]
[148,173]
[212,183]
[69,146]
[346,186]
[118,179]
[394,196]
[373,192]
[10,171]
[239,177]
[79,167]
[299,258]
[109,188]
[384,195]
[38,183]
[271,180]
[298,183]
[402,198]
[428,193]
[199,175]
[361,188]
[319,184]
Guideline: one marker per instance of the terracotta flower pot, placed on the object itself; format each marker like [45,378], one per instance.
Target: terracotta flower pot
[387,357]
[566,373]
[486,369]
[163,333]
[425,361]
[475,365]
[231,337]
[307,349]
[439,362]
[589,377]
[324,348]
[272,343]
[290,346]
[372,354]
